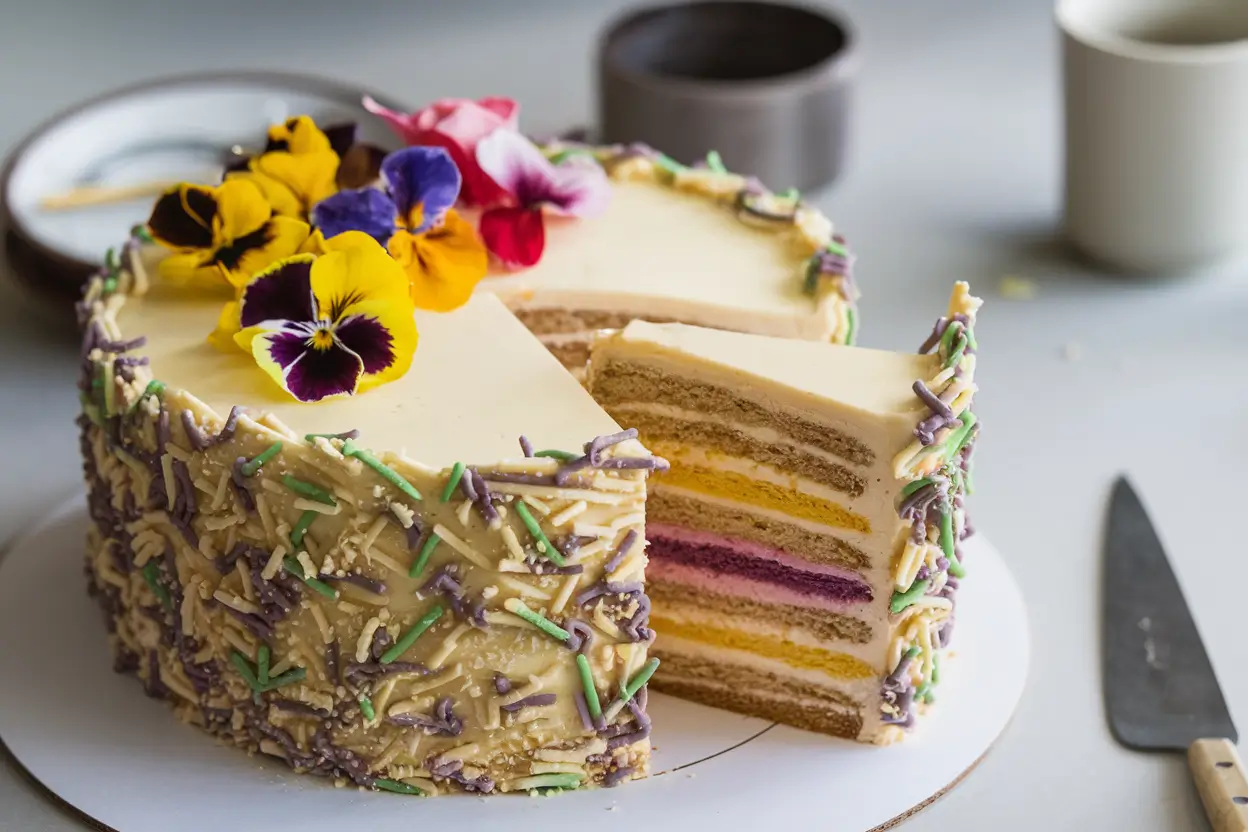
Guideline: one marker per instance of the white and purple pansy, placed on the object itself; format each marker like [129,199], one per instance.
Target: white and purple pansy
[330,325]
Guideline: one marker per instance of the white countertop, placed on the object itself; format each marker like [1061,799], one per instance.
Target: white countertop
[954,173]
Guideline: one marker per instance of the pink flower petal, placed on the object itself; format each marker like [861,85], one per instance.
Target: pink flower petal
[579,189]
[401,123]
[515,236]
[516,165]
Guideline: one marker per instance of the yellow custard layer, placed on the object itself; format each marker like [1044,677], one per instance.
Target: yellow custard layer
[730,485]
[837,665]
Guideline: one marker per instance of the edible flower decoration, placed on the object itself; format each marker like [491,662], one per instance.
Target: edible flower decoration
[457,125]
[515,232]
[330,325]
[412,216]
[220,235]
[298,168]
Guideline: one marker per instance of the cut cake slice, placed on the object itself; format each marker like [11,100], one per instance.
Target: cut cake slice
[329,584]
[694,245]
[804,546]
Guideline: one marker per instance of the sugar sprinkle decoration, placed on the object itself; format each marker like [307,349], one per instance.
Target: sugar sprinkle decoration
[422,559]
[250,468]
[384,471]
[627,692]
[587,683]
[452,482]
[544,546]
[409,638]
[541,622]
[295,568]
[307,489]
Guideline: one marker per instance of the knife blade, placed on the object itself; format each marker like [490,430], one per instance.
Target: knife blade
[1161,692]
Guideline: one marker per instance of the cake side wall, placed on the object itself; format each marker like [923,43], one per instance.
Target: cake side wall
[307,598]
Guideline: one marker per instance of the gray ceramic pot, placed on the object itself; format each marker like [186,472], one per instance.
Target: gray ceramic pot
[765,85]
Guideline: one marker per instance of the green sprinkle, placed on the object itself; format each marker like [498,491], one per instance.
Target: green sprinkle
[953,445]
[262,664]
[668,164]
[110,390]
[409,638]
[587,682]
[851,325]
[162,594]
[385,471]
[154,388]
[946,337]
[562,456]
[923,691]
[541,622]
[929,696]
[947,543]
[110,285]
[791,194]
[901,600]
[111,260]
[837,249]
[250,468]
[244,669]
[915,486]
[397,787]
[366,708]
[812,275]
[302,525]
[288,678]
[912,653]
[970,338]
[640,678]
[935,668]
[552,781]
[426,549]
[563,155]
[457,474]
[141,233]
[543,543]
[715,162]
[956,355]
[307,489]
[295,568]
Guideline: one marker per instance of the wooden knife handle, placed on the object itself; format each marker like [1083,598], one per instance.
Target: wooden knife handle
[1222,783]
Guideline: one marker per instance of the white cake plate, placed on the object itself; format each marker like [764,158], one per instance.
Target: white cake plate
[97,743]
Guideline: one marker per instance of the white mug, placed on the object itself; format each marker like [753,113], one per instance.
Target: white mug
[1156,95]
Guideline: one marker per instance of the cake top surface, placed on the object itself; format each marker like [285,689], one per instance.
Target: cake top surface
[477,380]
[657,242]
[874,381]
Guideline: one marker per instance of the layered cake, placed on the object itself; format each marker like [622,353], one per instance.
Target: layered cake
[586,238]
[804,546]
[349,513]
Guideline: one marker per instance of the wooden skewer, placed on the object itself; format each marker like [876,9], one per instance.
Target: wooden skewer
[89,196]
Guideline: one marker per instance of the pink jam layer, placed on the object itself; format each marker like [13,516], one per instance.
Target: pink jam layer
[713,563]
[702,580]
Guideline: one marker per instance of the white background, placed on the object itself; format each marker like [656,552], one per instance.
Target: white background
[954,173]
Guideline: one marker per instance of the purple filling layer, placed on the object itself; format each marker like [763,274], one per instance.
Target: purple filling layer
[726,561]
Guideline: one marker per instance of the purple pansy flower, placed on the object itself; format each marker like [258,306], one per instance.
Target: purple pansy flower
[330,325]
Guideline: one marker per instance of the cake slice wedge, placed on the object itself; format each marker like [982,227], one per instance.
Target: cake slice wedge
[804,546]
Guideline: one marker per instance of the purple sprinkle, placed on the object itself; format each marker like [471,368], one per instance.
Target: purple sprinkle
[565,472]
[600,443]
[198,439]
[254,623]
[238,482]
[627,739]
[119,346]
[639,714]
[484,501]
[580,634]
[526,446]
[502,684]
[616,775]
[373,586]
[522,479]
[293,707]
[131,361]
[621,551]
[582,708]
[413,534]
[607,588]
[332,661]
[466,486]
[537,700]
[937,332]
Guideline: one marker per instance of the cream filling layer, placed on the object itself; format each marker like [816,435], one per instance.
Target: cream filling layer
[760,433]
[859,690]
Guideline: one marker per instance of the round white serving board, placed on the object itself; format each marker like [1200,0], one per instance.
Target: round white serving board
[92,738]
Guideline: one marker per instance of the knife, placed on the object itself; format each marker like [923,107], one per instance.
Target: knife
[1161,693]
